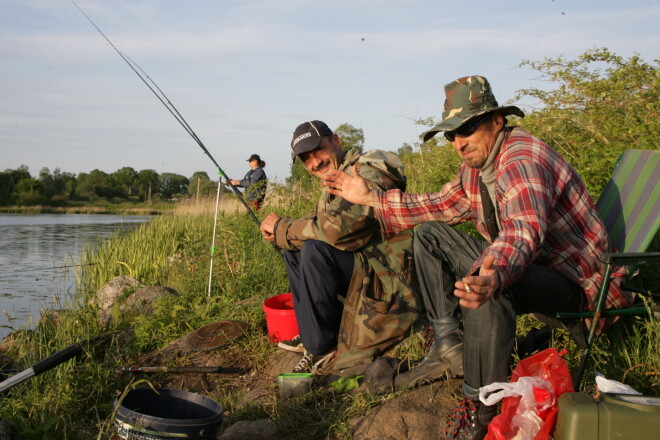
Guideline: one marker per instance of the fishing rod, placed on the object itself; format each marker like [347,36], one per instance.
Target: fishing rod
[42,366]
[54,360]
[172,109]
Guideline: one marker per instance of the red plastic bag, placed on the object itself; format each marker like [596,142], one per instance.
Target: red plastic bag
[529,410]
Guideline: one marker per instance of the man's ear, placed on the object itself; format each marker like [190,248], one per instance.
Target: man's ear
[497,120]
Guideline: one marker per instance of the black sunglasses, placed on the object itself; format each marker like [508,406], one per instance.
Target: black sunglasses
[468,128]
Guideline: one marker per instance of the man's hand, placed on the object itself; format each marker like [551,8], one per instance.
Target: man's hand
[474,291]
[235,182]
[268,225]
[352,188]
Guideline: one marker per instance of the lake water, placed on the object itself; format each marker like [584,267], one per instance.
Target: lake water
[38,255]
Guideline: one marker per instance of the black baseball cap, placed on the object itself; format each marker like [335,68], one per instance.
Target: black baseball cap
[254,157]
[307,136]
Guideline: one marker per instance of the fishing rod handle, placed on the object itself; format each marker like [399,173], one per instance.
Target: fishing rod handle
[57,358]
[172,370]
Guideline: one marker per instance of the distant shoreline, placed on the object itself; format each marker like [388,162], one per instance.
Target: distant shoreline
[102,210]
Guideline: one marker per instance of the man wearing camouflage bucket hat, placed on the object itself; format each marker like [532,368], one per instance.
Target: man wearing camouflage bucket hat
[468,98]
[542,235]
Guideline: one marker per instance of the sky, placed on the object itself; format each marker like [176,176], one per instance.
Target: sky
[245,73]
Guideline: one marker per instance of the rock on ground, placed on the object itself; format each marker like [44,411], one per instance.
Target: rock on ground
[420,414]
[264,429]
[141,301]
[107,295]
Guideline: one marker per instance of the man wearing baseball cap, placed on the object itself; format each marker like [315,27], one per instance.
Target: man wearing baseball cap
[542,237]
[352,290]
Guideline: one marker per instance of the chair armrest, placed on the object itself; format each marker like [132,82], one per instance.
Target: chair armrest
[631,258]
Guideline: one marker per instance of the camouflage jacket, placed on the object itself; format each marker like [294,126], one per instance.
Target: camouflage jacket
[380,305]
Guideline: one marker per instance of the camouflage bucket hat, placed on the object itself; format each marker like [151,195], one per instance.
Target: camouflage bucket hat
[468,97]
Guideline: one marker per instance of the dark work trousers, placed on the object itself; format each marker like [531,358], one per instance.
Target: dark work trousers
[318,275]
[444,255]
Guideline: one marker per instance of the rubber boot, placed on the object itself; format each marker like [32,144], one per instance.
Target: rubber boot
[445,357]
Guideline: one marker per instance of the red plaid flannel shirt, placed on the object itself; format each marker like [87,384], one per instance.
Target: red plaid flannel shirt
[545,211]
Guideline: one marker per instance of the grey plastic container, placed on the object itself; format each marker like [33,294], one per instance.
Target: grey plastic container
[167,414]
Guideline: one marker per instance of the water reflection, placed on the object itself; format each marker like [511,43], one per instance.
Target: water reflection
[37,253]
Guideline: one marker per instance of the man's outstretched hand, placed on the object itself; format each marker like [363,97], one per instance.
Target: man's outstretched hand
[352,188]
[268,225]
[474,291]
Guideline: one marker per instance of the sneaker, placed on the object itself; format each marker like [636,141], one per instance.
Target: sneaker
[311,363]
[470,420]
[294,344]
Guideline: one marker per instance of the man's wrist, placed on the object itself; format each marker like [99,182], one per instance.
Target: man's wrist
[372,198]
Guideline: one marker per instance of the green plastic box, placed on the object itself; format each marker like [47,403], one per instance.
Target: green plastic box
[616,416]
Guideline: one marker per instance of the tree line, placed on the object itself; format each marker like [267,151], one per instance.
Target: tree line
[58,188]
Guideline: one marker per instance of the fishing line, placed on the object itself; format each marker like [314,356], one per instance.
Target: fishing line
[162,97]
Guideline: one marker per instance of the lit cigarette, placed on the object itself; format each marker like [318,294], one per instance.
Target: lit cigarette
[467,287]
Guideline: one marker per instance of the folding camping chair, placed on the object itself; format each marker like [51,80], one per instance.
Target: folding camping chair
[630,209]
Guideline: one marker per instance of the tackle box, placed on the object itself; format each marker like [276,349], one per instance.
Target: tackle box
[615,416]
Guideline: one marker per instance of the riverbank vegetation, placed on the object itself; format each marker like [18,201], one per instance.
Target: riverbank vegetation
[602,105]
[109,208]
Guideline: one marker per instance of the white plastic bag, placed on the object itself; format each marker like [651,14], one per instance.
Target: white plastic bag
[526,418]
[612,386]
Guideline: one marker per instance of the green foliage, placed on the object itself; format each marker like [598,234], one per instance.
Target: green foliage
[201,185]
[627,353]
[8,181]
[125,178]
[428,165]
[172,184]
[143,254]
[299,175]
[30,192]
[601,104]
[351,137]
[148,183]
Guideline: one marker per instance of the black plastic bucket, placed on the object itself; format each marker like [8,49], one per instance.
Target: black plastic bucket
[167,414]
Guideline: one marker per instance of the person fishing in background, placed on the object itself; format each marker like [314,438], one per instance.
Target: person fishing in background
[255,182]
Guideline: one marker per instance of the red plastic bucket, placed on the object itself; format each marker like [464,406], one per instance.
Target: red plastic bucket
[280,318]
